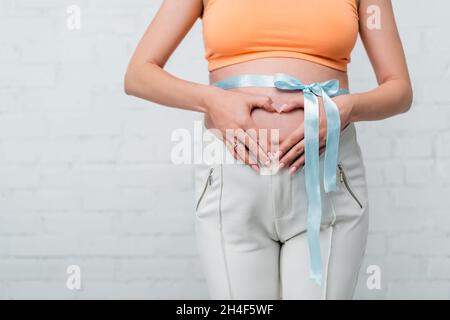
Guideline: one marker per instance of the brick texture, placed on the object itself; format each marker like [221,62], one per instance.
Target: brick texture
[86,177]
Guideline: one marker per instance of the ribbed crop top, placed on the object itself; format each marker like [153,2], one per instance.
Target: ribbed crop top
[320,31]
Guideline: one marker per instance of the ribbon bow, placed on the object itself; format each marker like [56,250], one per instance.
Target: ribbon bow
[325,90]
[286,82]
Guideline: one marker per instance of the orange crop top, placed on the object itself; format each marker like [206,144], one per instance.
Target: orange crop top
[321,31]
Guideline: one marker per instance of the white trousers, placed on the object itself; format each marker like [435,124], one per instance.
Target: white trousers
[251,229]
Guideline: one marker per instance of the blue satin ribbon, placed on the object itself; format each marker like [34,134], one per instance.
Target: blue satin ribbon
[326,90]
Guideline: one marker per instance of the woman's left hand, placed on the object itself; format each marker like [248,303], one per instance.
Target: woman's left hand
[291,152]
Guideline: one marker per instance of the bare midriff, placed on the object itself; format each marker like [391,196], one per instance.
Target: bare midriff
[306,71]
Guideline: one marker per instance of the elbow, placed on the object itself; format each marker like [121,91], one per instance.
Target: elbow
[403,95]
[129,83]
[136,77]
[132,82]
[407,97]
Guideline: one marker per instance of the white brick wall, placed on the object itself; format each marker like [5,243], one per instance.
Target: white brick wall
[407,161]
[85,176]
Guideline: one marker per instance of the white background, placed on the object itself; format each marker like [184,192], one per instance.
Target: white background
[86,178]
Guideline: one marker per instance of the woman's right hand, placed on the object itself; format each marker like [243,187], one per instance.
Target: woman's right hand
[230,112]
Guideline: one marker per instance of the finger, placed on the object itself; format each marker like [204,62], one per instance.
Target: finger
[297,164]
[239,153]
[246,156]
[252,150]
[295,137]
[241,150]
[232,151]
[293,154]
[232,145]
[296,102]
[263,102]
[251,143]
[300,162]
[321,150]
[322,139]
[238,150]
[258,144]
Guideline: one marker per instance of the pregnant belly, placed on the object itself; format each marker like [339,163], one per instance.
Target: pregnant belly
[284,122]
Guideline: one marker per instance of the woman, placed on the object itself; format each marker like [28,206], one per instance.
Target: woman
[279,65]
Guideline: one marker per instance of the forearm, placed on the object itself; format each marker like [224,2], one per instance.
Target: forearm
[151,82]
[390,98]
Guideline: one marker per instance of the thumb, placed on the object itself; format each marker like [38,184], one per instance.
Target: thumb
[263,102]
[292,104]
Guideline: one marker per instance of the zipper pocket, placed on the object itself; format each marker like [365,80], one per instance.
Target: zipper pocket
[344,180]
[208,182]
